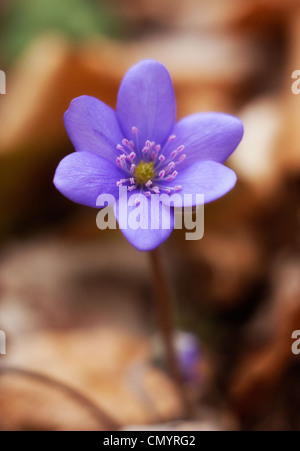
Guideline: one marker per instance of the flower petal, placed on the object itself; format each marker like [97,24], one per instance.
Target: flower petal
[209,178]
[207,136]
[153,229]
[93,127]
[83,176]
[146,100]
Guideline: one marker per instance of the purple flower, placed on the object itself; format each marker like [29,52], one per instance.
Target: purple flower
[140,147]
[189,355]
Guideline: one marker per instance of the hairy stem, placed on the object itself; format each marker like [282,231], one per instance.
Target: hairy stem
[164,309]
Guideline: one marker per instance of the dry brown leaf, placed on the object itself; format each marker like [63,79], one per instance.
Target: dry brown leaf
[94,362]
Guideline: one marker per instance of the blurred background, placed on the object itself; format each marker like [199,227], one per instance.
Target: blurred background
[76,302]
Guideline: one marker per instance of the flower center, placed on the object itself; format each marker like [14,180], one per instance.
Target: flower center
[149,169]
[144,172]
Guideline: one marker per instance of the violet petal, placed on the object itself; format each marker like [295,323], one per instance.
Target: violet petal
[207,136]
[83,176]
[212,179]
[148,238]
[146,100]
[93,127]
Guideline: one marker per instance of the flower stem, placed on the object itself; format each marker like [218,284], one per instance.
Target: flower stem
[164,308]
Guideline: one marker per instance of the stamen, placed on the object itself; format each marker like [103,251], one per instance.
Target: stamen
[171,138]
[132,156]
[162,174]
[132,168]
[148,184]
[121,148]
[147,194]
[170,178]
[180,148]
[171,166]
[182,158]
[135,131]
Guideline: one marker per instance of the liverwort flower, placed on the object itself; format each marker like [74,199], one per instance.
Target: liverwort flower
[140,148]
[189,356]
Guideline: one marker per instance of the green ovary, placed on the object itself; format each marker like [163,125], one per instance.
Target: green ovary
[144,172]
